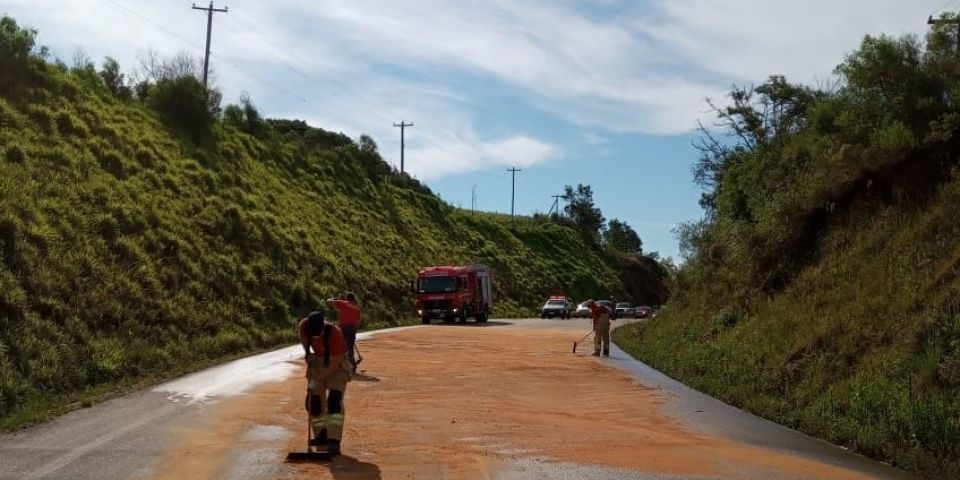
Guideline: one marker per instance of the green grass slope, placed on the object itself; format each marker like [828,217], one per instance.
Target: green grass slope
[129,253]
[822,290]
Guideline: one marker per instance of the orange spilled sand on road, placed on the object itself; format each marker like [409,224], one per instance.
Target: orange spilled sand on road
[460,402]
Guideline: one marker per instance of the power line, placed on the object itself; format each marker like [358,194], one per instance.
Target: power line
[250,28]
[513,185]
[206,57]
[133,13]
[347,91]
[192,45]
[331,80]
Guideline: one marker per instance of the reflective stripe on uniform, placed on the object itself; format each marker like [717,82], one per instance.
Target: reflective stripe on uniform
[319,422]
[335,419]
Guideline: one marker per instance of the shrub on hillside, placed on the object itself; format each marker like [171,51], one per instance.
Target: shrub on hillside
[184,104]
[15,154]
[726,319]
[294,130]
[245,117]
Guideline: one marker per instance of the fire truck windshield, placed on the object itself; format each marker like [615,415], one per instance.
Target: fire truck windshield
[438,284]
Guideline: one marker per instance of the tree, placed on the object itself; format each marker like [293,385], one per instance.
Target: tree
[621,237]
[114,80]
[154,67]
[16,48]
[754,119]
[371,160]
[887,78]
[692,238]
[581,210]
[245,117]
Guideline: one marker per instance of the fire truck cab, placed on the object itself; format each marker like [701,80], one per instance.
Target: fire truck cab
[454,293]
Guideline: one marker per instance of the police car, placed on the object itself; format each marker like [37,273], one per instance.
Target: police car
[557,306]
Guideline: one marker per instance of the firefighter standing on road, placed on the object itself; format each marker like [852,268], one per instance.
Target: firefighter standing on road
[348,318]
[328,372]
[601,327]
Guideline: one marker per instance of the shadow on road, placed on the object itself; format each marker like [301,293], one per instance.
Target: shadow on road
[346,467]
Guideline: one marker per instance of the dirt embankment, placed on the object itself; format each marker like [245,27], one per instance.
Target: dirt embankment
[463,402]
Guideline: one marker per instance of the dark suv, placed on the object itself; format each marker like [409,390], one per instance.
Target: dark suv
[624,310]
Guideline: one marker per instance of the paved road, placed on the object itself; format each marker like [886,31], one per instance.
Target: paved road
[137,435]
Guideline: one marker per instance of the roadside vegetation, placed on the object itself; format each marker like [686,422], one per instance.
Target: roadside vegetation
[821,290]
[146,230]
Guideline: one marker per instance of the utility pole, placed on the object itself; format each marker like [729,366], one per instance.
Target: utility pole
[947,21]
[206,58]
[473,199]
[556,204]
[403,127]
[513,185]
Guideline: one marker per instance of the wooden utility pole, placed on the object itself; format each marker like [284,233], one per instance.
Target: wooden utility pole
[206,58]
[513,186]
[947,21]
[556,204]
[403,127]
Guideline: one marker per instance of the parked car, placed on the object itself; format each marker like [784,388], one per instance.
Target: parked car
[557,306]
[624,309]
[643,311]
[609,305]
[583,311]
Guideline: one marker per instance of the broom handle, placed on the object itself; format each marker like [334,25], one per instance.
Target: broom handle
[309,409]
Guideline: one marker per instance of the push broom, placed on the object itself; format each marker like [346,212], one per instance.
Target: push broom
[313,454]
[581,340]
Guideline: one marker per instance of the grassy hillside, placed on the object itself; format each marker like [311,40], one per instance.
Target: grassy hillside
[135,245]
[822,289]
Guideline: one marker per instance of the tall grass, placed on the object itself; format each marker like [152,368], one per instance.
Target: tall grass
[863,349]
[129,252]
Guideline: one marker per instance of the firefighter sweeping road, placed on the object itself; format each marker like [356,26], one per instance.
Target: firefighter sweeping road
[502,400]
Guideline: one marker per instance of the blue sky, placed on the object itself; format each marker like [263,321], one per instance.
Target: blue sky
[601,92]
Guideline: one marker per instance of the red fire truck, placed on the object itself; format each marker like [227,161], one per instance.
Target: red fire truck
[454,293]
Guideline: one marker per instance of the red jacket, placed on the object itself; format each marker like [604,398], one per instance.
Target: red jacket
[598,310]
[348,313]
[338,345]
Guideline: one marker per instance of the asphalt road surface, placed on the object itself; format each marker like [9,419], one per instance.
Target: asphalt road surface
[502,400]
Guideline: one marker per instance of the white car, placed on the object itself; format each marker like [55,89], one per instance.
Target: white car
[557,307]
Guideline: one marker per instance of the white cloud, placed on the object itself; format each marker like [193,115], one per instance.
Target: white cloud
[610,65]
[522,151]
[751,39]
[593,139]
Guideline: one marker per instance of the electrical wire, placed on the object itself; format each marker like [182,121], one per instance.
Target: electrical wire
[338,84]
[346,91]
